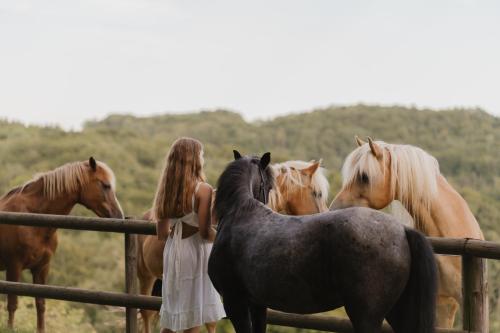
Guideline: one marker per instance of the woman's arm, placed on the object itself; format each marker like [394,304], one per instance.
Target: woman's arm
[204,196]
[163,228]
[212,210]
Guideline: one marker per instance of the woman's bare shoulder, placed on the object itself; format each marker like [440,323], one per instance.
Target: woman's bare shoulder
[204,190]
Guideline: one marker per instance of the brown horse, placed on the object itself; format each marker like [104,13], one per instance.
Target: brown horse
[376,173]
[90,183]
[302,189]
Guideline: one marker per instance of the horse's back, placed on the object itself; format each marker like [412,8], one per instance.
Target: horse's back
[364,228]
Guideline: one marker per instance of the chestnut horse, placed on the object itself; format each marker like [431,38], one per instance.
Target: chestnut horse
[302,189]
[376,173]
[90,183]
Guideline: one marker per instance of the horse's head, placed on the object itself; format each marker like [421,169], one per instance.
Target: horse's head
[366,177]
[301,189]
[261,177]
[98,192]
[244,178]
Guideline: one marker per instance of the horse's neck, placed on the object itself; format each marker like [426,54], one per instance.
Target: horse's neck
[35,201]
[449,215]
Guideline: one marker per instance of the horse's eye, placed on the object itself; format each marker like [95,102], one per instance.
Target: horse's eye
[364,178]
[106,186]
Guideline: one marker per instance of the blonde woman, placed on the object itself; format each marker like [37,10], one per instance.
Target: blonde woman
[182,211]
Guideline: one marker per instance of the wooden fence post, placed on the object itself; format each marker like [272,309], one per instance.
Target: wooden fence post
[131,280]
[475,294]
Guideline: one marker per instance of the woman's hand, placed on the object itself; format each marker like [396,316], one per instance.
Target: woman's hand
[211,235]
[163,229]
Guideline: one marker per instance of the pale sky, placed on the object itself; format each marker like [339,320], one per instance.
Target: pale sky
[65,61]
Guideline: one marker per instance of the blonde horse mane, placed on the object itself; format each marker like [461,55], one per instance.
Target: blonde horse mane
[291,177]
[413,171]
[67,178]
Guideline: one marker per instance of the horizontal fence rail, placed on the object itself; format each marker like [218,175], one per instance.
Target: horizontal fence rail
[448,246]
[79,223]
[471,250]
[316,322]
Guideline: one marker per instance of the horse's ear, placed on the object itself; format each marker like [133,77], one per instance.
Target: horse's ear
[310,170]
[92,163]
[359,141]
[375,148]
[236,154]
[265,160]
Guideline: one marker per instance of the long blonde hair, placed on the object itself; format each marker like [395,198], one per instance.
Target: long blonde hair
[414,174]
[183,170]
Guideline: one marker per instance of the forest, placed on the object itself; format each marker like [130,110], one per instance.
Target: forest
[464,141]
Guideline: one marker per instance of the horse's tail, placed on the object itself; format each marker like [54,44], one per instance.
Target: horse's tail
[415,311]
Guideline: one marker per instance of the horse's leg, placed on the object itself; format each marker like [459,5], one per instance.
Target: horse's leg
[446,309]
[367,325]
[146,286]
[237,309]
[449,290]
[40,277]
[398,320]
[13,274]
[365,319]
[258,315]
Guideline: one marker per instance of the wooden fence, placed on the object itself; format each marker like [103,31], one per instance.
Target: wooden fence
[474,282]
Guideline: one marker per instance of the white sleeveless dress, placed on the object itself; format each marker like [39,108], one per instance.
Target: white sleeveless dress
[188,297]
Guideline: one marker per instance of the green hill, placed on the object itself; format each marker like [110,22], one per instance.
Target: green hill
[465,142]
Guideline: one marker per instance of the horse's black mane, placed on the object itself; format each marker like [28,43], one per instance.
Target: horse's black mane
[233,194]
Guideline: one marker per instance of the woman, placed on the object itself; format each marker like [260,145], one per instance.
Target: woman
[182,211]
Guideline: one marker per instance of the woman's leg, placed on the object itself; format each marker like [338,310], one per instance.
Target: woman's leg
[211,327]
[166,330]
[193,330]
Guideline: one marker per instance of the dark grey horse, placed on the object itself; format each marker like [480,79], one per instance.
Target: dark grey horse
[357,257]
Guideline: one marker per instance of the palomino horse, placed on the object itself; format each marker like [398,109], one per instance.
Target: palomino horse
[376,173]
[90,183]
[302,188]
[357,257]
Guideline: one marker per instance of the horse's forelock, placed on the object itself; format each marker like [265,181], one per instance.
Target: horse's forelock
[361,161]
[108,173]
